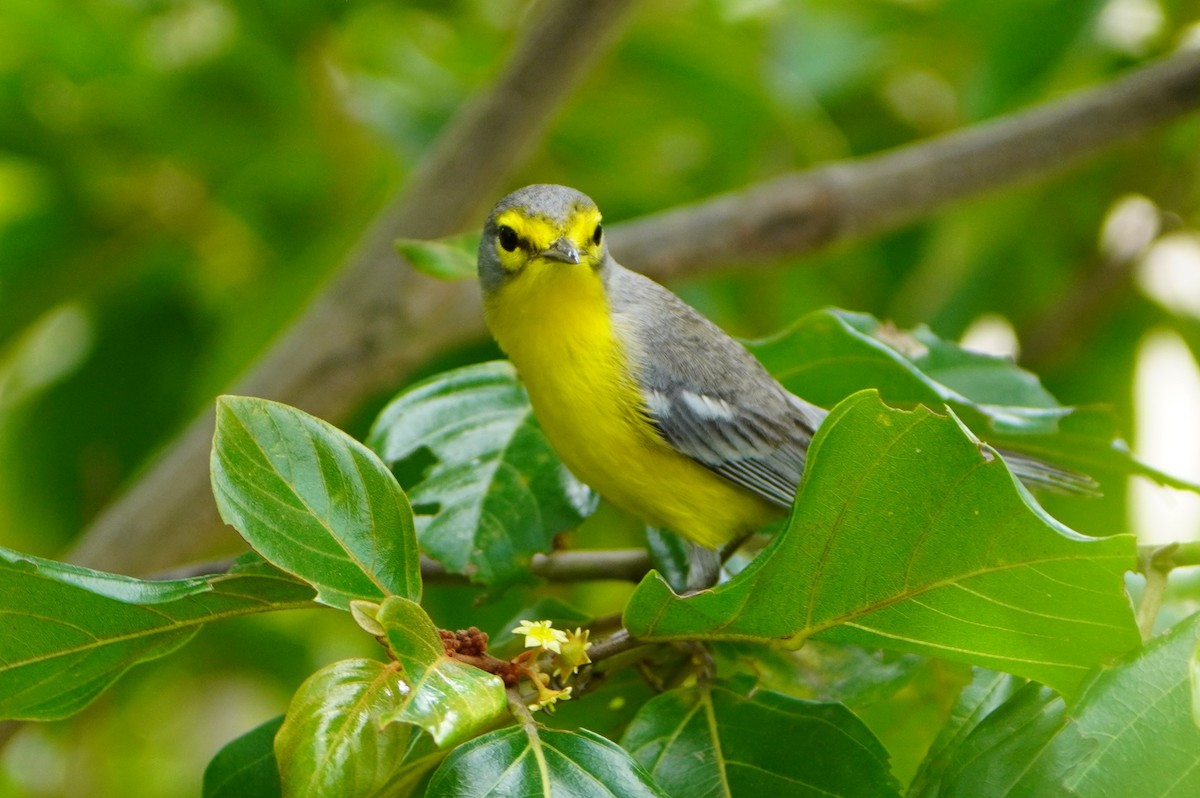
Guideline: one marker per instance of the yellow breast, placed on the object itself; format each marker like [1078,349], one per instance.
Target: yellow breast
[553,322]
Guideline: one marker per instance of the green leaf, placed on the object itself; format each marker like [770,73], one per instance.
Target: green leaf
[908,721]
[245,767]
[1131,733]
[451,700]
[525,760]
[500,491]
[450,258]
[708,743]
[909,534]
[313,501]
[987,691]
[69,632]
[334,741]
[830,354]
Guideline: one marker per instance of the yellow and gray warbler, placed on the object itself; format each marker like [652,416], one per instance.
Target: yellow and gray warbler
[644,399]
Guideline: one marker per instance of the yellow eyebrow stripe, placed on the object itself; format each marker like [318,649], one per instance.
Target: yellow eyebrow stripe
[583,225]
[537,232]
[541,233]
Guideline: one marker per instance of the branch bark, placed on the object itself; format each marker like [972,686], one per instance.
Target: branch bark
[377,321]
[800,212]
[628,565]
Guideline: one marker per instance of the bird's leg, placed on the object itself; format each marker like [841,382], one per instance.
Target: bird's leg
[704,567]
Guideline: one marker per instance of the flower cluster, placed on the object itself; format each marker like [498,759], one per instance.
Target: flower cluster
[559,654]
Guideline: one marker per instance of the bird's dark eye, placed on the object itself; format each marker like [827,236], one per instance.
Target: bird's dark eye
[508,238]
[596,235]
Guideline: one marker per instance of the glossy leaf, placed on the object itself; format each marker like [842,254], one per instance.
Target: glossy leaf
[525,760]
[334,741]
[830,354]
[1131,733]
[245,767]
[449,699]
[716,743]
[313,501]
[450,258]
[908,534]
[62,643]
[497,493]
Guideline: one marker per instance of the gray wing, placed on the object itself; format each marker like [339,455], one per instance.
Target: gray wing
[706,395]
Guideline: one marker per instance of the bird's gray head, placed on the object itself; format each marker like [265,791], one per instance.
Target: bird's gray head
[545,225]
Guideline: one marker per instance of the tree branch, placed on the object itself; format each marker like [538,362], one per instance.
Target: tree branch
[377,322]
[628,565]
[800,212]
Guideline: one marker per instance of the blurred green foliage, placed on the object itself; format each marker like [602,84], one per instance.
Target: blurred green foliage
[178,176]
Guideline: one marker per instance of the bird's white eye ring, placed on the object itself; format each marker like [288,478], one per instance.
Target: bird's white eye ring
[508,238]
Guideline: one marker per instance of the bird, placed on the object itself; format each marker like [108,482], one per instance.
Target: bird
[644,399]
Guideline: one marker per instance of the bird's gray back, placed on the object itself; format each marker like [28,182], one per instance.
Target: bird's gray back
[708,396]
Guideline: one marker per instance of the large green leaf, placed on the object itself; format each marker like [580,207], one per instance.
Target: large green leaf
[499,490]
[451,700]
[830,354]
[245,767]
[525,760]
[68,632]
[314,501]
[335,743]
[909,534]
[1131,733]
[716,743]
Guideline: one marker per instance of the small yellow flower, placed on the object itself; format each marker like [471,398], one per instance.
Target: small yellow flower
[574,653]
[548,697]
[538,634]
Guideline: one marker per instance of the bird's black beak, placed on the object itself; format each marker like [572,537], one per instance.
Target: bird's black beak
[562,250]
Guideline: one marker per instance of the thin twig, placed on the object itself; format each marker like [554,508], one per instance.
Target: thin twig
[618,642]
[628,565]
[800,212]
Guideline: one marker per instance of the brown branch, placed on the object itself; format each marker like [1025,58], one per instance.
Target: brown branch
[627,565]
[801,212]
[377,322]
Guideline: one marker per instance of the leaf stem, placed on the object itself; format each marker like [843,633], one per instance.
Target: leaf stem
[520,711]
[1155,563]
